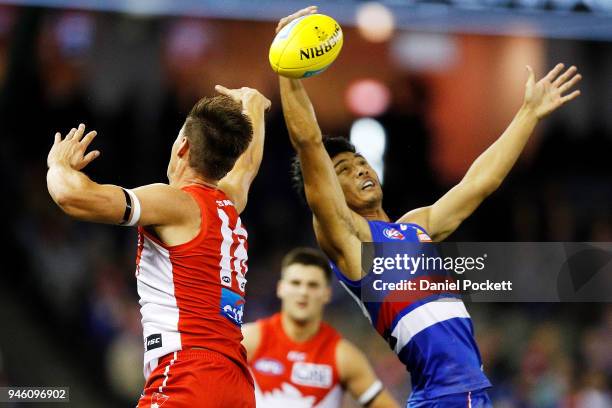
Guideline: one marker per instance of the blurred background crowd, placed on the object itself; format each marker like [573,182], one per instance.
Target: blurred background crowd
[421,101]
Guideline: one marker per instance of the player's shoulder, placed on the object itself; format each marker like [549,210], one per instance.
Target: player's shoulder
[161,189]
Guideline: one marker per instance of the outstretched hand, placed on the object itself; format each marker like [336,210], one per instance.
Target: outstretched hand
[70,151]
[547,95]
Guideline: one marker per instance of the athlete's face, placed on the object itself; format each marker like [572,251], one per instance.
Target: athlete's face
[358,180]
[303,291]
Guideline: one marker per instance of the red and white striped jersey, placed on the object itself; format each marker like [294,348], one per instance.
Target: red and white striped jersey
[192,295]
[297,375]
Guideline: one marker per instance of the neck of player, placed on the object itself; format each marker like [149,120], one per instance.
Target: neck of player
[374,214]
[300,331]
[186,176]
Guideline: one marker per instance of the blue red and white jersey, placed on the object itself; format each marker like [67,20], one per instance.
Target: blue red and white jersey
[192,295]
[431,332]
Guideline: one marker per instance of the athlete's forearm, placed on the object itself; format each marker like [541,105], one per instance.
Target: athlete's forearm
[81,198]
[65,184]
[299,113]
[493,165]
[237,182]
[250,160]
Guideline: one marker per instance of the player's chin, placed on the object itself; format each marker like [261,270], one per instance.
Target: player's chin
[371,196]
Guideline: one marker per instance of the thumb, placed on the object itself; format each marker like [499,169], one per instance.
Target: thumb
[222,90]
[531,75]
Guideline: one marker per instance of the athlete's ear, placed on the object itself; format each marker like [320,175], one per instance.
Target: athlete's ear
[183,147]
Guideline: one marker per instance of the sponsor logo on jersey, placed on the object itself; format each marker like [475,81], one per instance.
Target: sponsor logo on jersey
[296,356]
[153,341]
[392,233]
[269,366]
[312,375]
[232,306]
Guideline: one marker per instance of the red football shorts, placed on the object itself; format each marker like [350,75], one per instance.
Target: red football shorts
[197,379]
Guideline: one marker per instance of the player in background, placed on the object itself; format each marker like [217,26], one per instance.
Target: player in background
[192,246]
[432,336]
[299,361]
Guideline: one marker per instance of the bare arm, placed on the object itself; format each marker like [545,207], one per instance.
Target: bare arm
[237,182]
[489,170]
[357,376]
[251,338]
[325,198]
[80,197]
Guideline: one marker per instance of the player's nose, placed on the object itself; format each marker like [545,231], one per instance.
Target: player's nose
[363,171]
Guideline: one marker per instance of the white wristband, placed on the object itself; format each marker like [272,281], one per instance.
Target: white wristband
[371,393]
[135,209]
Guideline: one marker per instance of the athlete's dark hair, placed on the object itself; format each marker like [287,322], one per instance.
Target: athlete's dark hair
[334,146]
[309,257]
[218,133]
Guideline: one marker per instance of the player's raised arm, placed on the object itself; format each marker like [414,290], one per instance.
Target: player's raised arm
[358,377]
[237,182]
[491,167]
[334,219]
[321,186]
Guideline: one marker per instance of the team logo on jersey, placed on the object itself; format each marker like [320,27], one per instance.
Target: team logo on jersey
[153,341]
[232,306]
[312,375]
[158,399]
[269,366]
[392,233]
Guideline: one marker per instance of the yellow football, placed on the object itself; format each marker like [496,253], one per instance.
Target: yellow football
[306,47]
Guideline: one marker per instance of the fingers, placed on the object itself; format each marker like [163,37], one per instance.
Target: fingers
[565,76]
[70,134]
[569,97]
[550,77]
[222,90]
[79,132]
[89,157]
[303,12]
[570,84]
[88,138]
[57,138]
[531,75]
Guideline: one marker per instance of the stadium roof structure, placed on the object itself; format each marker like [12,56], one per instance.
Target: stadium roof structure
[569,19]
